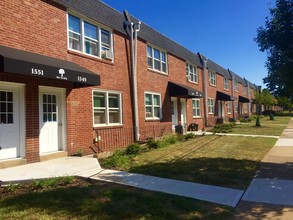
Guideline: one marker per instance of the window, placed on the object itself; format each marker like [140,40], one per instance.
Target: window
[157,59]
[235,106]
[191,73]
[196,107]
[228,107]
[236,86]
[211,106]
[243,90]
[88,38]
[49,108]
[107,108]
[152,106]
[212,78]
[226,83]
[6,107]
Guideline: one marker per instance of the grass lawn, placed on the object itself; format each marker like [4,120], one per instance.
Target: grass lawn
[80,199]
[269,127]
[216,160]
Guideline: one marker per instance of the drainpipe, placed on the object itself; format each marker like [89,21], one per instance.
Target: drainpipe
[233,105]
[134,28]
[249,95]
[205,87]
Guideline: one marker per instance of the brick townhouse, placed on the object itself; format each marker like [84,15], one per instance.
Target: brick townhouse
[66,83]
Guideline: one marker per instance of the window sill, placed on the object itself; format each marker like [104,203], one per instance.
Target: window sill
[213,85]
[211,113]
[157,71]
[98,127]
[152,119]
[196,83]
[226,89]
[78,53]
[196,117]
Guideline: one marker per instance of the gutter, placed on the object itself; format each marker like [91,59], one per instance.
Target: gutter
[232,89]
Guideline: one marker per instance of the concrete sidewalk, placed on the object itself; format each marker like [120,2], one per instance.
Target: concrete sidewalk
[270,194]
[66,166]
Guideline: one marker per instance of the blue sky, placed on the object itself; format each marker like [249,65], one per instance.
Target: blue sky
[222,30]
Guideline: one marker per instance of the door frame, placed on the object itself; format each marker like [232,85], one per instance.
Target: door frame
[183,113]
[20,88]
[61,93]
[175,101]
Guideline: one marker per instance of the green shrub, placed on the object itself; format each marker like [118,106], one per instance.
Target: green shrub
[189,136]
[116,160]
[133,149]
[170,139]
[152,144]
[181,137]
[223,128]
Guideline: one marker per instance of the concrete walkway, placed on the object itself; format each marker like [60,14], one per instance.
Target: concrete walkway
[270,194]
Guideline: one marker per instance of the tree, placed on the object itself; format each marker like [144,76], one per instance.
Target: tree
[269,101]
[276,38]
[258,97]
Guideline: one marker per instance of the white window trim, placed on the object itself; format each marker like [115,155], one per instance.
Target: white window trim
[226,84]
[107,124]
[199,107]
[236,86]
[211,106]
[99,28]
[195,73]
[153,118]
[235,106]
[229,112]
[211,78]
[161,61]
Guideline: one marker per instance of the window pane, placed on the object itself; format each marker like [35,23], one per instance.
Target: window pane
[74,23]
[148,99]
[100,116]
[149,51]
[156,100]
[45,118]
[163,57]
[164,67]
[74,41]
[90,31]
[49,117]
[157,65]
[54,117]
[113,101]
[45,108]
[3,107]
[3,118]
[9,96]
[148,112]
[114,116]
[150,62]
[2,96]
[157,112]
[91,47]
[156,54]
[105,37]
[99,100]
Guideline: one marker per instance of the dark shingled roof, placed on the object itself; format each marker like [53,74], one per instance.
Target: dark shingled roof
[106,15]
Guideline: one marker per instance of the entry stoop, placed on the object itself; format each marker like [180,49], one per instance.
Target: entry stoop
[12,163]
[54,155]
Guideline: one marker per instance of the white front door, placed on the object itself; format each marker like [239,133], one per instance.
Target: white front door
[174,113]
[51,121]
[183,114]
[9,122]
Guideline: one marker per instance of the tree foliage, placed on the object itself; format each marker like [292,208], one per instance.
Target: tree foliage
[276,38]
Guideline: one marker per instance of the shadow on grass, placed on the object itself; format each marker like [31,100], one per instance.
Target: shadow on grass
[107,201]
[213,171]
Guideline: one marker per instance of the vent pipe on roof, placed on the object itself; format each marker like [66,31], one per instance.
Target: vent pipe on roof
[134,28]
[204,61]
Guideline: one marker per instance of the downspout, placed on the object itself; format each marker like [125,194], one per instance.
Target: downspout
[205,87]
[233,105]
[249,95]
[134,28]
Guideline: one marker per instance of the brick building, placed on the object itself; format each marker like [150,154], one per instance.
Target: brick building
[66,82]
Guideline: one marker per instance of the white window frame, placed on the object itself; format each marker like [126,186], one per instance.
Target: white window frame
[196,108]
[100,29]
[107,108]
[191,73]
[226,84]
[229,107]
[152,57]
[212,78]
[236,86]
[235,106]
[243,90]
[153,106]
[211,106]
